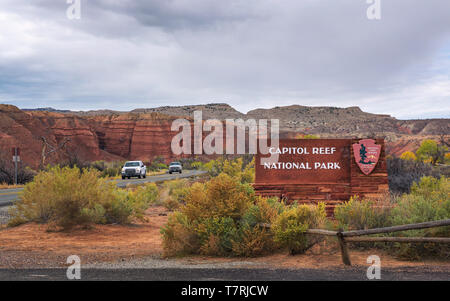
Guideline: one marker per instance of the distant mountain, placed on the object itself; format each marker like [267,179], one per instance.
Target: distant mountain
[209,111]
[328,121]
[48,109]
[78,113]
[145,133]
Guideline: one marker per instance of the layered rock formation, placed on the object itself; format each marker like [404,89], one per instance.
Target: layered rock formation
[143,134]
[89,138]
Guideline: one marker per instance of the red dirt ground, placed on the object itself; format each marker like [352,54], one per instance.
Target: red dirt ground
[32,245]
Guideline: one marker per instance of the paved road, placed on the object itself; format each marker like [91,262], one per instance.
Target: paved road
[8,196]
[175,274]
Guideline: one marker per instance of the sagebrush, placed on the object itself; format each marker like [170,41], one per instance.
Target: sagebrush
[68,197]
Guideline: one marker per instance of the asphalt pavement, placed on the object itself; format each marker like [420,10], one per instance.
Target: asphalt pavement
[8,196]
[214,274]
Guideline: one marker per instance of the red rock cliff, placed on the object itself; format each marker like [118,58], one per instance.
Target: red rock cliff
[109,137]
[145,134]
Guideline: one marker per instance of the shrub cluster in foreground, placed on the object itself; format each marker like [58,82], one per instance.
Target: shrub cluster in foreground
[68,197]
[224,217]
[429,200]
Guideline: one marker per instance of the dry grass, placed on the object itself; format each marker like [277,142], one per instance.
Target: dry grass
[10,186]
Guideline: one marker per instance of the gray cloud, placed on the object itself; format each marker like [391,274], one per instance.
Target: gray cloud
[257,53]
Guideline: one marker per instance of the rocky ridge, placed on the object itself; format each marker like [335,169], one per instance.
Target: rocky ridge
[146,133]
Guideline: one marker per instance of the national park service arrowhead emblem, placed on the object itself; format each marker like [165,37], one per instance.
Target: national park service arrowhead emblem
[366,154]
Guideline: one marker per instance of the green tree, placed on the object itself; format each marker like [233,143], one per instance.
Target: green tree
[306,136]
[431,151]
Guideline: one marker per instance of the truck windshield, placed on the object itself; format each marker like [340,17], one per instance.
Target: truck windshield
[131,164]
[175,163]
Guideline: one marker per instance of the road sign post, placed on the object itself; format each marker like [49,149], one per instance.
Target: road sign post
[16,159]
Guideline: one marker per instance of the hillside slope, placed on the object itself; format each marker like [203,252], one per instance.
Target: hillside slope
[145,133]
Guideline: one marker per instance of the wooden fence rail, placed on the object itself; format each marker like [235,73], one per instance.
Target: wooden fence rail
[349,236]
[445,222]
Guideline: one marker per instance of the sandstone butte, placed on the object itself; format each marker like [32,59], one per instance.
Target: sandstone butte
[146,134]
[104,137]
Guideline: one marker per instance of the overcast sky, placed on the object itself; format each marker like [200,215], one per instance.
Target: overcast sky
[250,54]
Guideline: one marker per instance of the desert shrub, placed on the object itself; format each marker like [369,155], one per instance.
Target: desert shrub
[263,211]
[247,175]
[74,159]
[216,235]
[58,195]
[179,237]
[221,217]
[290,226]
[253,241]
[196,165]
[159,166]
[362,214]
[191,163]
[171,204]
[143,197]
[224,217]
[213,167]
[107,169]
[222,196]
[174,193]
[232,168]
[157,163]
[428,201]
[119,208]
[242,168]
[99,165]
[113,169]
[67,197]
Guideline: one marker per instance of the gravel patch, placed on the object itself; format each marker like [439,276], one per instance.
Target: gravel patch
[4,216]
[160,263]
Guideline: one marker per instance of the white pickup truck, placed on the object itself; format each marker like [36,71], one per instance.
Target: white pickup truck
[134,169]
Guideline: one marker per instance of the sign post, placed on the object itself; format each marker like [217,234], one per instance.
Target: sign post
[16,159]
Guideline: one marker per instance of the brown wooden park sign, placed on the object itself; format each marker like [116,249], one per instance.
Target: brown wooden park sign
[323,170]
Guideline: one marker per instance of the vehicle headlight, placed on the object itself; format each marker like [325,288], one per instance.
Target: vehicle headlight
[138,169]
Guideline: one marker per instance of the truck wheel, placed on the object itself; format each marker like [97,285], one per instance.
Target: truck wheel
[170,172]
[181,171]
[145,175]
[123,177]
[139,176]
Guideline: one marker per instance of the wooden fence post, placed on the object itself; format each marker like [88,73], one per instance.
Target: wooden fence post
[344,249]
